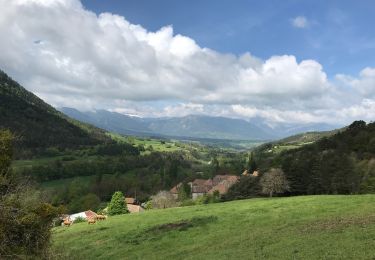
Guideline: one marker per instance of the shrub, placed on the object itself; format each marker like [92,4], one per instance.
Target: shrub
[148,205]
[188,202]
[25,221]
[80,220]
[164,199]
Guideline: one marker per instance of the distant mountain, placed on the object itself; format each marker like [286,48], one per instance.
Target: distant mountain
[111,121]
[189,126]
[209,127]
[193,126]
[37,124]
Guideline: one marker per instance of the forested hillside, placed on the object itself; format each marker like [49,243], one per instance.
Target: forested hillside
[340,164]
[38,125]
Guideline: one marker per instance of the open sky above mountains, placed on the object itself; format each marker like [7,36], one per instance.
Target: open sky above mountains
[283,61]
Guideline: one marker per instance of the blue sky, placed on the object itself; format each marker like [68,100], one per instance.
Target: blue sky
[338,34]
[283,62]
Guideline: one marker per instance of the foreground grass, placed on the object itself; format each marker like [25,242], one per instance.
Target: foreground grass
[309,227]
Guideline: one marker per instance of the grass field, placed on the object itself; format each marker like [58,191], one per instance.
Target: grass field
[308,227]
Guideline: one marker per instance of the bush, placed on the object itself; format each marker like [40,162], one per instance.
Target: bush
[25,221]
[80,220]
[188,202]
[148,205]
[208,198]
[162,200]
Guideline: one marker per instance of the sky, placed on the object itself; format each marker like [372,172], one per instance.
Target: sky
[281,61]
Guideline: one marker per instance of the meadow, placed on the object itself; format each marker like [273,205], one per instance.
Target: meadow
[305,227]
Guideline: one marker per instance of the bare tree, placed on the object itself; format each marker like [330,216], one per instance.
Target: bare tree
[162,200]
[274,181]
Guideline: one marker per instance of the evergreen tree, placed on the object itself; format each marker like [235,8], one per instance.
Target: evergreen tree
[117,205]
[184,192]
[215,166]
[251,164]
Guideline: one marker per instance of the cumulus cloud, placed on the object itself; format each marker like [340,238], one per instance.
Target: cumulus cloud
[58,47]
[364,84]
[73,57]
[300,22]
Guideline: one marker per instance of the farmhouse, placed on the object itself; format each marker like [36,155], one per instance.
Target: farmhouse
[222,183]
[132,206]
[85,215]
[200,187]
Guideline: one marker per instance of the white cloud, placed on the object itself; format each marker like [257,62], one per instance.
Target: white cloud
[300,22]
[72,57]
[59,48]
[364,84]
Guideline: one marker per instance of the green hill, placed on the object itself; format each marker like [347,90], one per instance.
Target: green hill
[38,125]
[295,141]
[309,227]
[338,162]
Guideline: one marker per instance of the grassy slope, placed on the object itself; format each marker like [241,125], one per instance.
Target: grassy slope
[310,227]
[295,141]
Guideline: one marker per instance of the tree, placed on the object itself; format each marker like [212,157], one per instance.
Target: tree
[274,181]
[251,164]
[87,202]
[162,200]
[184,192]
[215,166]
[6,151]
[117,205]
[246,187]
[25,221]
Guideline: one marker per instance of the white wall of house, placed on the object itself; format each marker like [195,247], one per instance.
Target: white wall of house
[78,215]
[195,195]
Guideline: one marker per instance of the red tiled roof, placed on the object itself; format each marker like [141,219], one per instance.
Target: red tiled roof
[175,188]
[199,182]
[223,186]
[219,178]
[90,214]
[201,185]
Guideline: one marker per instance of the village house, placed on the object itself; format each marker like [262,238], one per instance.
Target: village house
[222,183]
[88,214]
[132,205]
[200,187]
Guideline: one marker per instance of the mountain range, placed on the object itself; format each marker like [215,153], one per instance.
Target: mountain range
[37,125]
[192,126]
